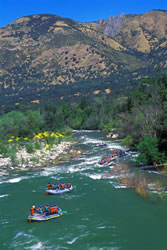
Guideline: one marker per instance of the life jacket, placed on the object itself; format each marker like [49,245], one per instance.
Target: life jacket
[108,161]
[102,162]
[68,185]
[52,210]
[55,209]
[62,186]
[50,186]
[32,211]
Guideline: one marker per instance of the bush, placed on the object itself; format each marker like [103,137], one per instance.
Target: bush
[128,141]
[149,153]
[30,147]
[68,131]
[107,127]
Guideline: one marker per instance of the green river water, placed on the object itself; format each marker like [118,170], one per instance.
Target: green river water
[101,214]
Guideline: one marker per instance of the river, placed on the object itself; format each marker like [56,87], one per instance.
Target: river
[101,213]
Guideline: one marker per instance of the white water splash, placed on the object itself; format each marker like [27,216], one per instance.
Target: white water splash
[120,186]
[95,176]
[39,245]
[72,241]
[14,180]
[3,195]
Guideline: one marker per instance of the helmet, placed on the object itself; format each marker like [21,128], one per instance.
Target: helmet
[62,182]
[56,205]
[33,206]
[40,205]
[47,204]
[48,182]
[51,205]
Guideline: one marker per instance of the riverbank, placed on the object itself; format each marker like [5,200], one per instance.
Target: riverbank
[40,158]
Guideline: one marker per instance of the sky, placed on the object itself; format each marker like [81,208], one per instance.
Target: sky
[79,10]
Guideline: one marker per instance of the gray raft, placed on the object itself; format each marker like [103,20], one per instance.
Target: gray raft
[59,191]
[44,216]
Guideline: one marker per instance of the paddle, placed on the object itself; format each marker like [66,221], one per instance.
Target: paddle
[53,220]
[64,212]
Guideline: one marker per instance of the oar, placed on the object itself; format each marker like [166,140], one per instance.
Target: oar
[64,212]
[53,220]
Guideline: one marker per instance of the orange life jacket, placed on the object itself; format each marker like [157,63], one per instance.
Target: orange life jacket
[62,186]
[50,186]
[52,210]
[32,211]
[69,185]
[55,209]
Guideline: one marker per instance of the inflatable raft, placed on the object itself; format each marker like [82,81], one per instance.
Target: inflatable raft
[106,163]
[43,217]
[59,191]
[101,145]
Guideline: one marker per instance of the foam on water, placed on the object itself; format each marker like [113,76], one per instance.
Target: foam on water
[3,195]
[27,241]
[72,241]
[39,245]
[119,186]
[88,140]
[14,180]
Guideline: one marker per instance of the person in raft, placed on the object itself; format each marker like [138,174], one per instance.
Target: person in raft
[40,210]
[32,210]
[58,185]
[68,184]
[47,209]
[53,209]
[50,186]
[54,186]
[62,185]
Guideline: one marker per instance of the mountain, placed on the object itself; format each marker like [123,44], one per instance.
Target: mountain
[46,57]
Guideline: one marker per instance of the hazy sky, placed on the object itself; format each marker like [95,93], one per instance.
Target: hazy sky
[79,10]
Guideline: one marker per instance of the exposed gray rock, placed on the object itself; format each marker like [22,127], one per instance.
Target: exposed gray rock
[113,25]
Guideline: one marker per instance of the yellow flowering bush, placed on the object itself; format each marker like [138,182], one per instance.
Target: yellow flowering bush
[47,146]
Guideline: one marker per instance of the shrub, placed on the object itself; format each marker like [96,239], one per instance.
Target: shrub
[149,153]
[107,127]
[30,147]
[127,141]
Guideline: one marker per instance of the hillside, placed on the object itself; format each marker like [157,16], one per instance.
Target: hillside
[47,57]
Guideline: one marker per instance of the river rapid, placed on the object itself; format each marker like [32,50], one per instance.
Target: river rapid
[102,214]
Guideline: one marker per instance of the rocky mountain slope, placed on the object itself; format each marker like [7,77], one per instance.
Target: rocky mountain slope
[46,57]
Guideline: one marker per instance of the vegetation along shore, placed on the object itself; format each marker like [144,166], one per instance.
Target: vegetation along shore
[39,134]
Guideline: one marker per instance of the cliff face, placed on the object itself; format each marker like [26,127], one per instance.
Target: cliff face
[113,25]
[46,57]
